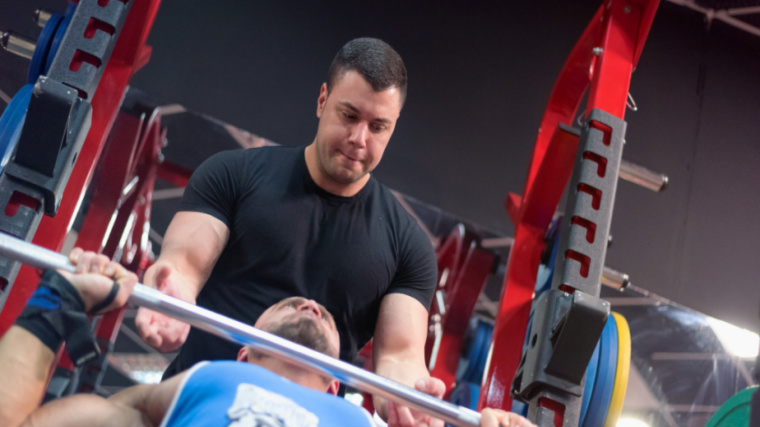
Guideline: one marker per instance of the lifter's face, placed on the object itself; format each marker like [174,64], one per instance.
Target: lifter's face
[355,125]
[300,312]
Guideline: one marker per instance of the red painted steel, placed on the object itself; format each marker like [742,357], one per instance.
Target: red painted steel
[467,268]
[129,54]
[118,216]
[619,28]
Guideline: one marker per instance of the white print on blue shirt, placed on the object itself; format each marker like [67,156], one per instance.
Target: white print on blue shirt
[256,407]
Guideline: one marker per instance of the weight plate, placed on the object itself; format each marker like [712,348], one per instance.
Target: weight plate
[471,353]
[59,34]
[735,412]
[480,366]
[621,373]
[605,377]
[475,355]
[11,123]
[41,50]
[466,394]
[588,387]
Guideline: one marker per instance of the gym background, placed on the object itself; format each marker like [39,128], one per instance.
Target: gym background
[480,74]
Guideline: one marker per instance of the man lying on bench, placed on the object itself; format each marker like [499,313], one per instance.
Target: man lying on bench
[266,391]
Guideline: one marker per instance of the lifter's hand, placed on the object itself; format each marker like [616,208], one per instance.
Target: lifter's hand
[499,418]
[402,416]
[158,330]
[95,276]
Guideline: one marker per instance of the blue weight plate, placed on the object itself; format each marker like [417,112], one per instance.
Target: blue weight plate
[552,261]
[59,33]
[474,355]
[519,408]
[593,366]
[70,9]
[465,394]
[11,123]
[605,377]
[470,353]
[474,395]
[546,272]
[609,383]
[483,356]
[41,50]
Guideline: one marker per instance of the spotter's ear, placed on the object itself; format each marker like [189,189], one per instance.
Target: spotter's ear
[322,100]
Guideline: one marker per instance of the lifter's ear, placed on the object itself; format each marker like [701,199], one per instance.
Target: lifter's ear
[333,387]
[243,354]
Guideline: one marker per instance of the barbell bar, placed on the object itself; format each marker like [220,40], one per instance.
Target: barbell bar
[241,333]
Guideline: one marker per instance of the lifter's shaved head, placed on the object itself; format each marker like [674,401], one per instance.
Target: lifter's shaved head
[305,322]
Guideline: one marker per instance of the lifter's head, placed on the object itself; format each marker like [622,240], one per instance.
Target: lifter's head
[304,322]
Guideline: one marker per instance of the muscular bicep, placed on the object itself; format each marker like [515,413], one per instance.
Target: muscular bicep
[192,245]
[401,331]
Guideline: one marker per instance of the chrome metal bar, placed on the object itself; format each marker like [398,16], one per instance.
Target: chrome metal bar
[16,44]
[41,17]
[243,334]
[615,279]
[642,176]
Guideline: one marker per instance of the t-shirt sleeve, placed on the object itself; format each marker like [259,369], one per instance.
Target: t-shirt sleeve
[215,185]
[417,273]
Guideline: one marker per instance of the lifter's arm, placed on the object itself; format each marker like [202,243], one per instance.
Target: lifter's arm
[24,366]
[25,361]
[399,354]
[141,405]
[191,247]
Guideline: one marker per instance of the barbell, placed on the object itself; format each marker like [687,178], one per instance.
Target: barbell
[241,333]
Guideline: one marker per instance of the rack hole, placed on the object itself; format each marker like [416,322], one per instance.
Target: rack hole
[81,57]
[588,225]
[601,162]
[95,25]
[606,130]
[584,260]
[595,193]
[19,199]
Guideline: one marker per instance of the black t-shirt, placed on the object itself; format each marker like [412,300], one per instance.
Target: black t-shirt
[289,237]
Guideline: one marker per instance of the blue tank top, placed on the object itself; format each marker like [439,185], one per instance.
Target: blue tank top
[245,395]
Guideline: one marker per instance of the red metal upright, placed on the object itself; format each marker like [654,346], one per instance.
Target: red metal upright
[463,268]
[129,55]
[603,59]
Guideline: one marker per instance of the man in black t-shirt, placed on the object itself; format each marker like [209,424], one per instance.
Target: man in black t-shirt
[258,225]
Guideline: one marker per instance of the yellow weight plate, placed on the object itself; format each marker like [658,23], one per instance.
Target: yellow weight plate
[621,373]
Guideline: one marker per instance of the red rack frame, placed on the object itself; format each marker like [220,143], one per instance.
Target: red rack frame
[619,29]
[601,61]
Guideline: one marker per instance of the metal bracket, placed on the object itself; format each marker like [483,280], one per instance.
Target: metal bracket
[564,328]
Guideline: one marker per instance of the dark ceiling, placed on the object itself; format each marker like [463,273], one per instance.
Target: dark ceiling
[727,4]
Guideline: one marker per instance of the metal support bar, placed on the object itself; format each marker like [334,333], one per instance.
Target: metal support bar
[615,279]
[16,44]
[642,176]
[41,17]
[244,334]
